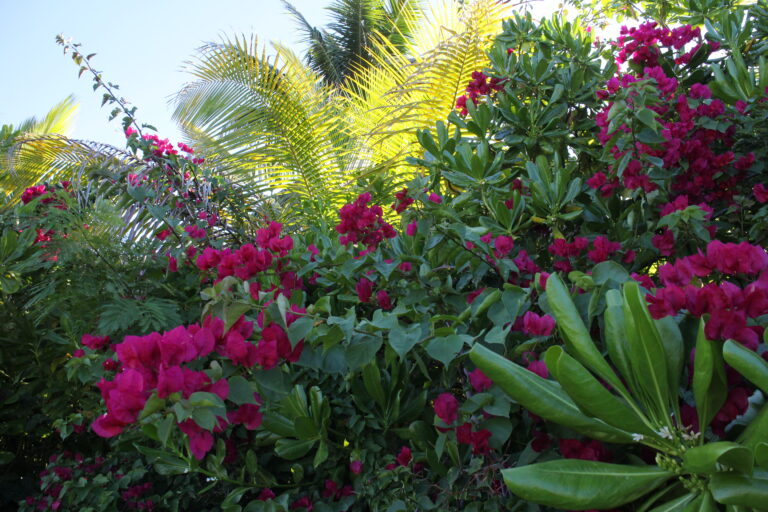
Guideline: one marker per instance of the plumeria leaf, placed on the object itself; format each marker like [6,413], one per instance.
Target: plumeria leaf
[581,484]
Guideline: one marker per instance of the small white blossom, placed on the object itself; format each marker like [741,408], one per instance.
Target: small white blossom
[637,437]
[665,433]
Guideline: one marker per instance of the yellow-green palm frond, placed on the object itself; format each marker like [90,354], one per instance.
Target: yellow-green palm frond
[412,89]
[59,120]
[18,167]
[36,159]
[269,124]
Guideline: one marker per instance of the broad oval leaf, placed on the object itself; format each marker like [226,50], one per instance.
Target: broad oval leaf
[748,363]
[576,335]
[646,351]
[543,397]
[591,396]
[740,490]
[574,484]
[710,387]
[705,459]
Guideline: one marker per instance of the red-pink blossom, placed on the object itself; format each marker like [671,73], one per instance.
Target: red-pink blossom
[536,325]
[447,408]
[479,381]
[364,289]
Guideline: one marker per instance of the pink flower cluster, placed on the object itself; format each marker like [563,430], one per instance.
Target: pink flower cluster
[364,289]
[701,170]
[363,224]
[729,306]
[639,45]
[447,409]
[403,201]
[33,192]
[480,85]
[248,261]
[94,342]
[156,363]
[602,250]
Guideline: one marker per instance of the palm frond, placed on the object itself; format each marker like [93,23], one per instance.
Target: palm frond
[324,55]
[270,124]
[412,89]
[35,159]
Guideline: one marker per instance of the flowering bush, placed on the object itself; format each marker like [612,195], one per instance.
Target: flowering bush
[584,231]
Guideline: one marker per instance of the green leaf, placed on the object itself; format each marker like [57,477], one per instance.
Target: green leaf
[299,329]
[578,484]
[648,118]
[233,312]
[678,504]
[542,397]
[170,464]
[591,396]
[278,424]
[609,271]
[152,405]
[445,349]
[164,429]
[6,457]
[740,490]
[203,399]
[706,458]
[761,455]
[372,383]
[710,387]
[748,363]
[615,334]
[576,335]
[292,449]
[240,391]
[672,340]
[362,350]
[402,340]
[646,351]
[321,455]
[305,428]
[757,430]
[204,417]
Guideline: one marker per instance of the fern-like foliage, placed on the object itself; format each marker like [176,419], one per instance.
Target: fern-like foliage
[151,314]
[280,133]
[413,88]
[270,125]
[15,174]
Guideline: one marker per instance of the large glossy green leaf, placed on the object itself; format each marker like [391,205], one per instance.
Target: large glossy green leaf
[576,335]
[574,484]
[741,490]
[672,340]
[646,351]
[761,455]
[748,363]
[710,387]
[706,458]
[615,334]
[543,397]
[757,430]
[677,505]
[591,396]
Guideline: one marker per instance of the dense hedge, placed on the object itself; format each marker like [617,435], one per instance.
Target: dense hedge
[549,305]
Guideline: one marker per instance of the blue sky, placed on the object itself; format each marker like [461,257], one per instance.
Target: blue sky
[139,45]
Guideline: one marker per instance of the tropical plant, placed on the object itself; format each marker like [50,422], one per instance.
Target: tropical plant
[341,51]
[16,176]
[276,130]
[634,398]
